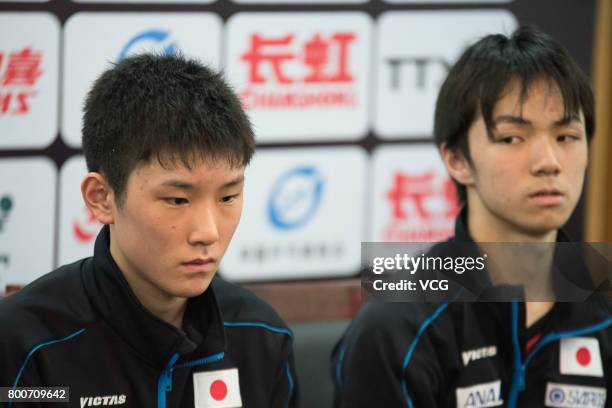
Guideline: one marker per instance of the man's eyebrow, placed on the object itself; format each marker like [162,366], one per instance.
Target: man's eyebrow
[567,120]
[516,120]
[233,182]
[182,185]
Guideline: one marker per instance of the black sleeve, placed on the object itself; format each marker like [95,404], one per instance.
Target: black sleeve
[13,365]
[285,392]
[14,347]
[374,367]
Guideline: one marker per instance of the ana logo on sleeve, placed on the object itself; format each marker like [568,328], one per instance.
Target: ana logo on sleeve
[580,356]
[217,389]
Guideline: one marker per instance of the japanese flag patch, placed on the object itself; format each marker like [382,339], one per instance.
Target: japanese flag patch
[217,389]
[580,356]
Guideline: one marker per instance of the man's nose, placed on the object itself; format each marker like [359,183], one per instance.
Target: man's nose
[203,230]
[545,160]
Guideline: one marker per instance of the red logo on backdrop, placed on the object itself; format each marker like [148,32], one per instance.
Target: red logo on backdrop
[86,228]
[19,73]
[324,71]
[421,210]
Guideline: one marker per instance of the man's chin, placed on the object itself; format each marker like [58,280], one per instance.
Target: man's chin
[543,227]
[192,288]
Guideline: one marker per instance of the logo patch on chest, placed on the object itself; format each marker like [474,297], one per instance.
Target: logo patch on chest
[580,356]
[480,395]
[217,389]
[477,354]
[103,401]
[574,396]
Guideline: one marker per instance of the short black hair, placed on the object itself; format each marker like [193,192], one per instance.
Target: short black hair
[476,82]
[164,107]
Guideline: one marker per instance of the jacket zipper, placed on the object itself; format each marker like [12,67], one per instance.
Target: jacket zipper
[164,384]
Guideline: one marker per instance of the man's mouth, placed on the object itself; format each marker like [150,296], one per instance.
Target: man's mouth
[200,264]
[547,197]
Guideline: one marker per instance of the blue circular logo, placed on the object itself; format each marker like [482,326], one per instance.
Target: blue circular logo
[160,37]
[556,395]
[295,197]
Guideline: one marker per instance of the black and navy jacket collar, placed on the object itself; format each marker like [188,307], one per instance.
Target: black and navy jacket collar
[570,273]
[153,339]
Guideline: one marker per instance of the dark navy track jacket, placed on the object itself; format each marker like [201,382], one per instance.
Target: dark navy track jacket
[461,354]
[82,327]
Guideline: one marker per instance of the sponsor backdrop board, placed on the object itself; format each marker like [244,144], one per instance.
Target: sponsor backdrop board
[27,218]
[410,74]
[302,76]
[77,226]
[194,34]
[148,1]
[303,215]
[29,69]
[341,93]
[414,200]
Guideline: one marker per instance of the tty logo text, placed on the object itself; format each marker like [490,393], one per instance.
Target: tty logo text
[102,401]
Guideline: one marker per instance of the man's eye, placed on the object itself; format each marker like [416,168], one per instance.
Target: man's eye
[176,201]
[567,138]
[229,198]
[510,139]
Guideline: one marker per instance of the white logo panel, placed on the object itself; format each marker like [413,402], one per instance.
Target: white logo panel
[217,389]
[29,60]
[78,227]
[411,71]
[574,396]
[27,215]
[300,1]
[580,356]
[303,215]
[448,1]
[414,199]
[90,48]
[480,395]
[302,76]
[148,1]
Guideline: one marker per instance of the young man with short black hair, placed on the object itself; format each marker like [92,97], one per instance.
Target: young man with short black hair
[145,322]
[513,123]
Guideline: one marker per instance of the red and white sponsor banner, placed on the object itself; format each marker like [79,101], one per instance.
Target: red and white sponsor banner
[27,218]
[580,356]
[91,47]
[302,76]
[304,215]
[414,199]
[29,60]
[415,50]
[78,227]
[217,389]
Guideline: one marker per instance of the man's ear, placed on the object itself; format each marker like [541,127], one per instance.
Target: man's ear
[457,165]
[98,197]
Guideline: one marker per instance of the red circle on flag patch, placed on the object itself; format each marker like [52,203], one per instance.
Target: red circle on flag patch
[218,390]
[583,356]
